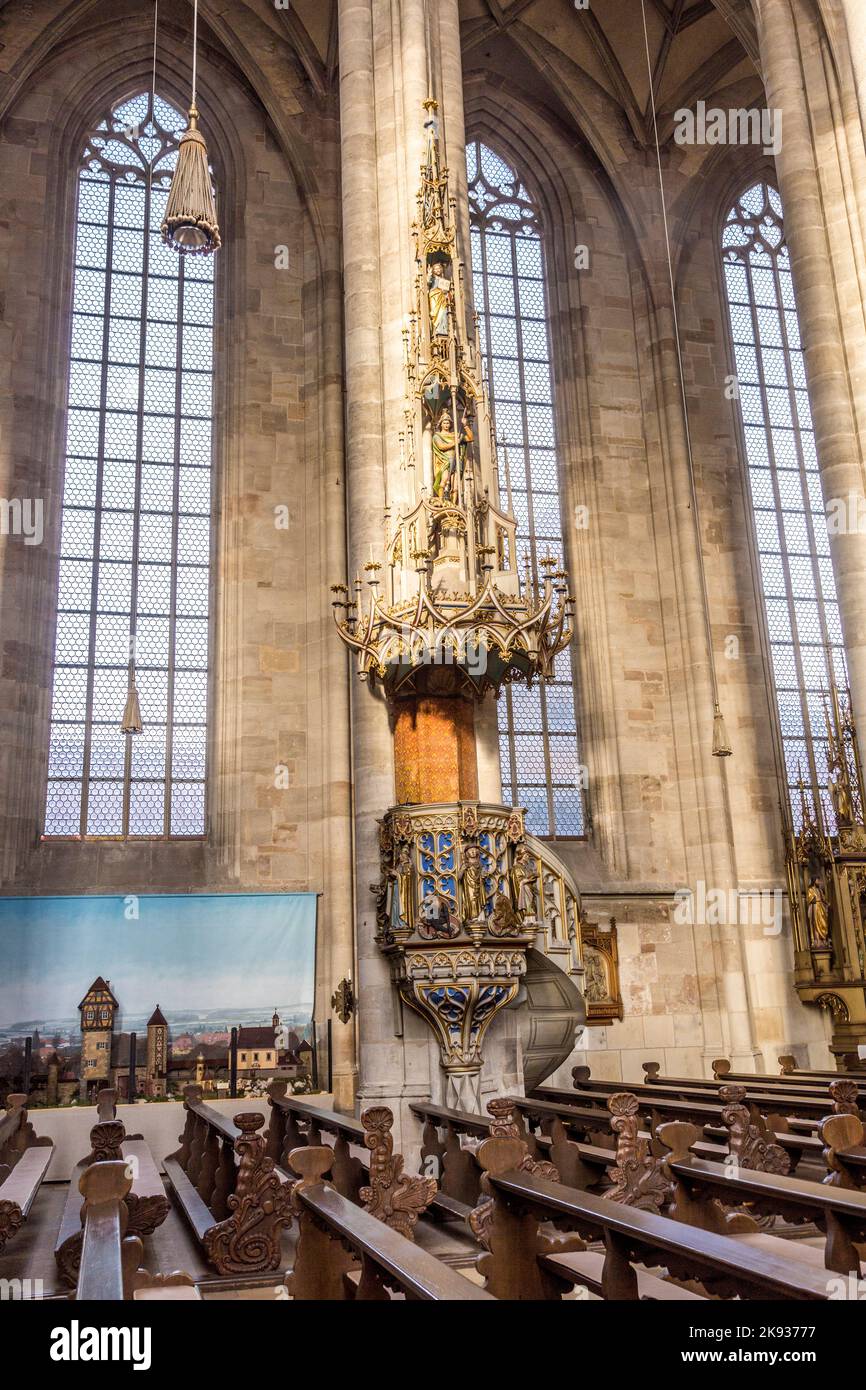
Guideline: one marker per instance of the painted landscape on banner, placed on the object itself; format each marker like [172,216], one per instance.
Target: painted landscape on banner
[199,964]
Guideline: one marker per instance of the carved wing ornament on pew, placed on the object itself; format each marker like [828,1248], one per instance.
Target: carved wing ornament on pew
[393,1196]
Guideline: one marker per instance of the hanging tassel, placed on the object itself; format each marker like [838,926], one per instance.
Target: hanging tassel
[190,223]
[131,721]
[721,746]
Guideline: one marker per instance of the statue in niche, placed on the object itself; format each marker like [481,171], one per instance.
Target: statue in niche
[472,885]
[439,300]
[434,918]
[524,883]
[402,876]
[595,984]
[840,794]
[818,914]
[445,449]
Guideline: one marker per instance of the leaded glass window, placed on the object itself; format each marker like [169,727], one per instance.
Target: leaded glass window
[790,520]
[537,728]
[135,548]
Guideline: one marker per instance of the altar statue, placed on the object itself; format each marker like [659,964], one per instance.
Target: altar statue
[439,298]
[818,914]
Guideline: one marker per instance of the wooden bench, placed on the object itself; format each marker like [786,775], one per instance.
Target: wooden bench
[700,1191]
[758,1087]
[379,1185]
[794,1085]
[844,1151]
[228,1188]
[343,1252]
[110,1266]
[524,1261]
[24,1160]
[655,1109]
[146,1202]
[854,1066]
[781,1111]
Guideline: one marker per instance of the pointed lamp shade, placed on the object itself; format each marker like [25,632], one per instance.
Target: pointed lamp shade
[721,746]
[190,222]
[131,721]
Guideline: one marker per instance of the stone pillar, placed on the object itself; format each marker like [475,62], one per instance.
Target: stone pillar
[818,178]
[854,12]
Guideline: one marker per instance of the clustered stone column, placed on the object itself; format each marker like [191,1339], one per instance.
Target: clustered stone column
[822,175]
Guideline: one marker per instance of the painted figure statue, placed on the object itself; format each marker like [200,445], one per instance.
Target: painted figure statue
[445,446]
[439,298]
[402,877]
[472,885]
[524,883]
[818,914]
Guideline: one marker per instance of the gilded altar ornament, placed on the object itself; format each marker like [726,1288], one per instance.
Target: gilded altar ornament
[826,871]
[343,1000]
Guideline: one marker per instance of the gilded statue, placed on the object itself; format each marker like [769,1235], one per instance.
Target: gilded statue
[472,893]
[402,876]
[524,883]
[439,299]
[445,455]
[818,914]
[840,795]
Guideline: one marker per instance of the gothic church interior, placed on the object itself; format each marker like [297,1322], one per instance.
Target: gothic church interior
[433,622]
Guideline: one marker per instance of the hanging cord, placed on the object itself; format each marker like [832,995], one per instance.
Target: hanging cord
[194,47]
[150,162]
[680,367]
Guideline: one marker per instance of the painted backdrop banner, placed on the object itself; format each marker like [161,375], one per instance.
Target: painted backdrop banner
[208,962]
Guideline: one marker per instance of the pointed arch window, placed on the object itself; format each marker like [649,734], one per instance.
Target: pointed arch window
[136,529]
[537,728]
[788,507]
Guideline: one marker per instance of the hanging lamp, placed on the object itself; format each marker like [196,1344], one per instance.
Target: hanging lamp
[190,222]
[131,721]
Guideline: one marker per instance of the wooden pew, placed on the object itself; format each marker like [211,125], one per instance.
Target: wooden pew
[793,1135]
[790,1085]
[844,1151]
[775,1086]
[783,1111]
[522,1261]
[853,1066]
[228,1188]
[343,1252]
[24,1160]
[295,1122]
[584,1166]
[701,1190]
[146,1202]
[379,1185]
[17,1134]
[110,1267]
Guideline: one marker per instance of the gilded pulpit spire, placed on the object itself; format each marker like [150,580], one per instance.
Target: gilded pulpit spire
[447,618]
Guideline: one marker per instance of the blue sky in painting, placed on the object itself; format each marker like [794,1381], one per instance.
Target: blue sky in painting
[202,951]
